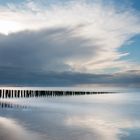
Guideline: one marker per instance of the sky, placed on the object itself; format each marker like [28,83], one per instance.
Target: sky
[70,42]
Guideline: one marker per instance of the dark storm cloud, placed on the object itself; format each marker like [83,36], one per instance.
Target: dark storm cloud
[20,77]
[39,58]
[48,49]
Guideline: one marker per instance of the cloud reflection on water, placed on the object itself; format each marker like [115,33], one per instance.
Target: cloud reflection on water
[11,130]
[99,117]
[104,128]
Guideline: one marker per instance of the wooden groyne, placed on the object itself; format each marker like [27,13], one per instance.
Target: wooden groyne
[43,92]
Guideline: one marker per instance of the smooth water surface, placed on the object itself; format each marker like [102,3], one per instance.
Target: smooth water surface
[92,117]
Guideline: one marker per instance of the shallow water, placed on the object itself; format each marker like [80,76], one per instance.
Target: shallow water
[98,117]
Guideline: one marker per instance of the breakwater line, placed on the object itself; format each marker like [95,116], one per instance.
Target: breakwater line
[7,92]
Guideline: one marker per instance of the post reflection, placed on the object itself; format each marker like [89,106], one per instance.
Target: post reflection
[8,105]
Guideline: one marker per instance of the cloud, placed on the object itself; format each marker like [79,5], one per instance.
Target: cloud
[76,36]
[46,50]
[21,77]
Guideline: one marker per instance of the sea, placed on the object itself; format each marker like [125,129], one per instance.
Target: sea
[113,116]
